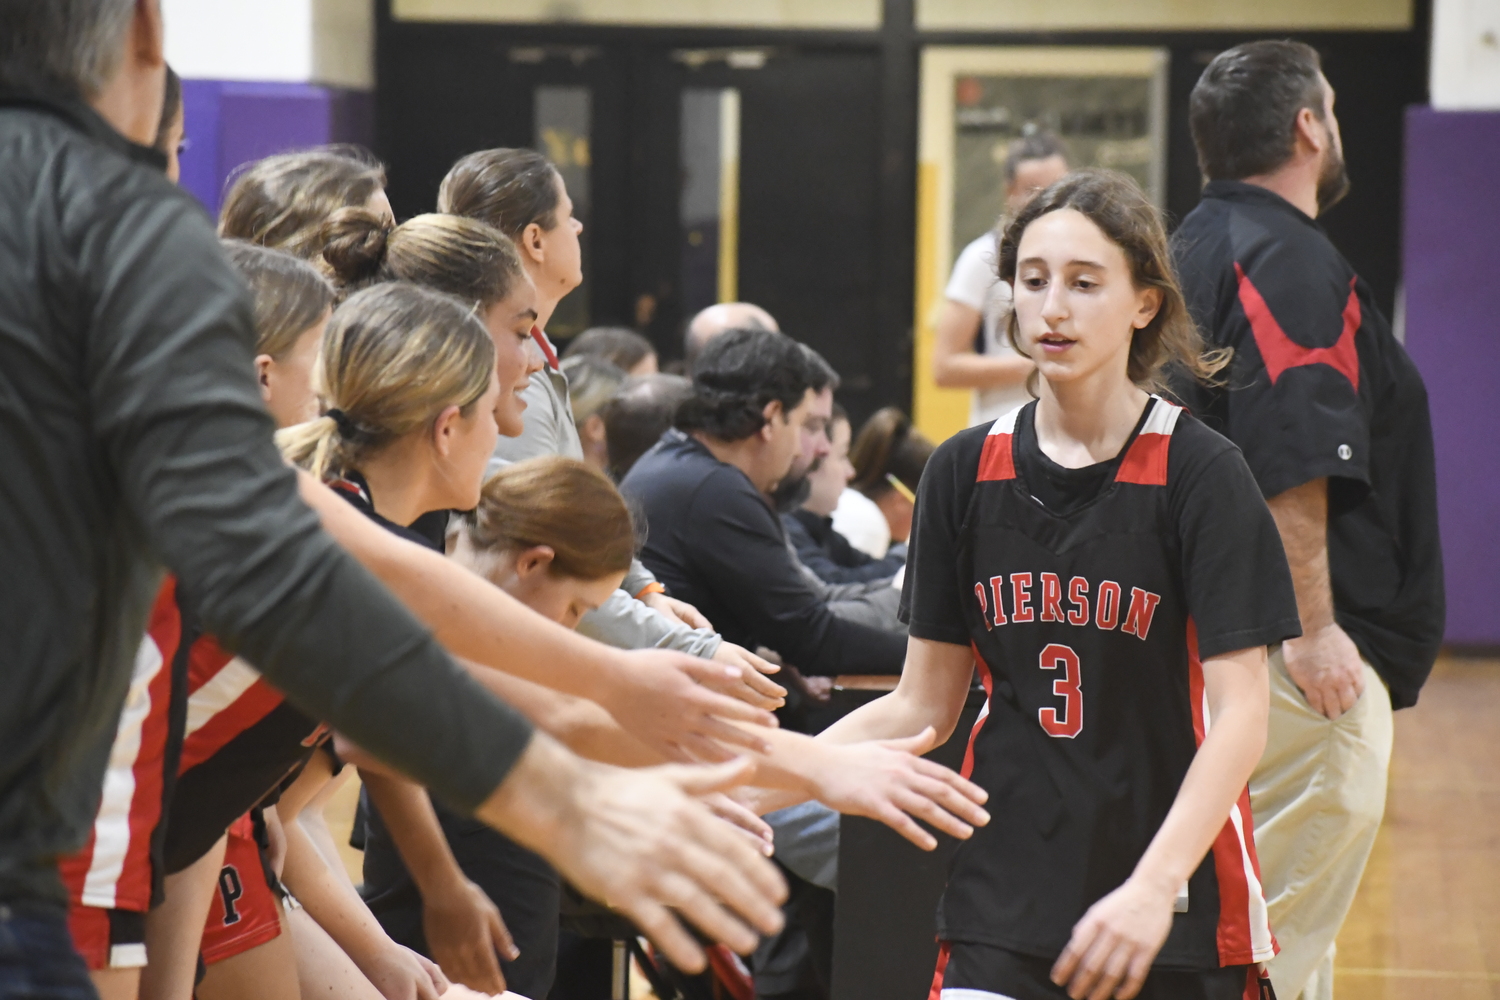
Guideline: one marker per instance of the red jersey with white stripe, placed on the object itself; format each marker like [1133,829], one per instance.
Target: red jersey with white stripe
[115,870]
[1090,621]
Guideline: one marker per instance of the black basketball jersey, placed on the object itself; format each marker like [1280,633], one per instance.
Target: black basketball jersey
[1085,627]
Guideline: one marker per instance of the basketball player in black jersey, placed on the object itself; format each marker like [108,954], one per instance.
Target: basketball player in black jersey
[1109,564]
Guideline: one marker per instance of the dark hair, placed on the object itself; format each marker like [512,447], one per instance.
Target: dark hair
[508,188]
[171,107]
[1243,109]
[284,200]
[592,382]
[462,257]
[1115,203]
[619,345]
[1036,146]
[888,445]
[561,503]
[638,415]
[290,295]
[68,45]
[737,375]
[823,375]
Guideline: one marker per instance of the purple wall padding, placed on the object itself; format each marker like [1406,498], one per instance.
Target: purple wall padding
[1452,238]
[230,123]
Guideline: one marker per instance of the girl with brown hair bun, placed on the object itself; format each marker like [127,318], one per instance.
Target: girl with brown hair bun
[282,201]
[1108,562]
[889,456]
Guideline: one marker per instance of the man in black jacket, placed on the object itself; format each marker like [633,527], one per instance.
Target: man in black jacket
[1332,418]
[714,538]
[132,435]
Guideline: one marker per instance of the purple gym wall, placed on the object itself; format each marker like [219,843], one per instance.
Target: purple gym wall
[1452,234]
[231,123]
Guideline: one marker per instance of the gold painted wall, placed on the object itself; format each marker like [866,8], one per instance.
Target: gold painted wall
[1163,15]
[741,13]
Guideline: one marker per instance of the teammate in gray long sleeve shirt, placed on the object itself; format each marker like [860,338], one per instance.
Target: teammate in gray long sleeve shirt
[131,437]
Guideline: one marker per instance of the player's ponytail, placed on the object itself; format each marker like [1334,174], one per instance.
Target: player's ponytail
[1117,205]
[394,357]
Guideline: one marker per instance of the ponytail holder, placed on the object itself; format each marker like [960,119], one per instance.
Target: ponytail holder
[341,420]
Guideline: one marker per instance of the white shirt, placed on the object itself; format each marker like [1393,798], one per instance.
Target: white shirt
[858,519]
[975,284]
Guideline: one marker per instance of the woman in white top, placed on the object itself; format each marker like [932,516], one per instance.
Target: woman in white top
[976,301]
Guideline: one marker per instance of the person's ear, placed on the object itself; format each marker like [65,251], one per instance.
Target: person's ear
[770,411]
[592,429]
[148,34]
[445,429]
[532,244]
[263,363]
[535,560]
[1311,132]
[1148,304]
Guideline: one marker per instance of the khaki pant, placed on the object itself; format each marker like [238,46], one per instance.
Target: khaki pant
[1318,796]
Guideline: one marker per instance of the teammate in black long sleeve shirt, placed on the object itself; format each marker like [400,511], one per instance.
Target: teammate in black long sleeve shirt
[132,436]
[714,540]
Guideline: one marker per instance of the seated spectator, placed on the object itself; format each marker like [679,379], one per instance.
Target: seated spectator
[714,538]
[810,528]
[638,415]
[592,382]
[619,345]
[889,456]
[721,318]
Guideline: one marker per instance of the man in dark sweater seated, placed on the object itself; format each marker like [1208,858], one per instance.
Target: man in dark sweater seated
[810,527]
[715,540]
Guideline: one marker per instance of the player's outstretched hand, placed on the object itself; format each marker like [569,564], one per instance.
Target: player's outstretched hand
[678,705]
[887,780]
[1113,946]
[640,842]
[464,929]
[739,816]
[754,687]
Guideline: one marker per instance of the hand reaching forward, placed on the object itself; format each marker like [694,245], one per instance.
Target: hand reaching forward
[681,611]
[887,780]
[464,930]
[678,705]
[743,819]
[1113,946]
[637,841]
[401,974]
[754,686]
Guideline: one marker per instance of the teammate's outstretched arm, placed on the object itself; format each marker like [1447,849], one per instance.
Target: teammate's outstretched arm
[664,699]
[1113,946]
[639,842]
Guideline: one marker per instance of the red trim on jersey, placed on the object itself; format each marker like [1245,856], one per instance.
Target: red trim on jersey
[996,461]
[984,713]
[1146,461]
[206,661]
[936,992]
[113,870]
[1280,352]
[547,351]
[1244,935]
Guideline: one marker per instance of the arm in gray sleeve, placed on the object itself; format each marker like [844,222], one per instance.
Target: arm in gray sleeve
[626,623]
[637,578]
[181,424]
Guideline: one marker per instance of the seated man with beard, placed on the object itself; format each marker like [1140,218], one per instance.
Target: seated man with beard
[709,491]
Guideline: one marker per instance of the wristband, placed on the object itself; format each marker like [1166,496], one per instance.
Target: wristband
[654,587]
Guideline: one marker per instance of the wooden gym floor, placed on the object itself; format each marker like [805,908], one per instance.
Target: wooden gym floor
[1426,922]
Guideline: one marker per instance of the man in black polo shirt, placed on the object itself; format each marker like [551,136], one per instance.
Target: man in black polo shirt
[1332,417]
[714,538]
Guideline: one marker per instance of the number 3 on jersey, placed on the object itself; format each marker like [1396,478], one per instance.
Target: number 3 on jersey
[1068,687]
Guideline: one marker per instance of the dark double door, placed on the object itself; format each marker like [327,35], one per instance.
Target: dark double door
[614,117]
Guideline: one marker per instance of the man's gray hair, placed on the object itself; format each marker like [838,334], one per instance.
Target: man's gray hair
[74,45]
